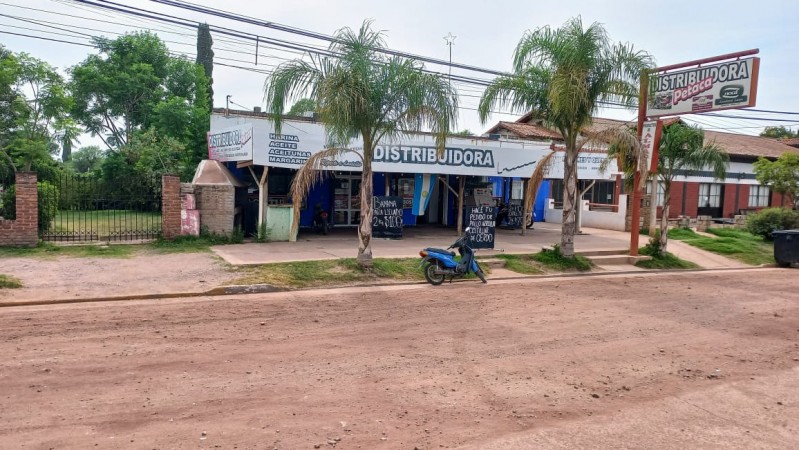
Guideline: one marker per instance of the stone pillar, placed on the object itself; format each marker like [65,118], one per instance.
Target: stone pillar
[170,206]
[24,230]
[646,212]
[702,223]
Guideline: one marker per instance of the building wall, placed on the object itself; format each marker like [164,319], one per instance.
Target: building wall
[24,231]
[691,199]
[217,208]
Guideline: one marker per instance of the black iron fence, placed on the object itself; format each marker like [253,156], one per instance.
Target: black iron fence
[76,207]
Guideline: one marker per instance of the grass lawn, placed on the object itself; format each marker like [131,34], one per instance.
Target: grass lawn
[737,244]
[545,261]
[9,282]
[664,261]
[336,272]
[106,222]
[182,244]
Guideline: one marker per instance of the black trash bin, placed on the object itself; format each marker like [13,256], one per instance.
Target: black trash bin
[786,247]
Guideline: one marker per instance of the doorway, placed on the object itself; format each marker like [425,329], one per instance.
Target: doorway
[711,200]
[347,199]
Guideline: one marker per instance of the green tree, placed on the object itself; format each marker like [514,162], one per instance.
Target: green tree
[781,175]
[462,133]
[683,147]
[134,86]
[362,94]
[87,159]
[116,90]
[67,135]
[779,132]
[563,75]
[302,106]
[205,58]
[38,104]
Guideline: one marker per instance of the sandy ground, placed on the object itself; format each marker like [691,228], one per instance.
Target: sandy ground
[685,360]
[66,277]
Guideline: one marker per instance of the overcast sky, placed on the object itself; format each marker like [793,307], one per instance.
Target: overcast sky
[486,34]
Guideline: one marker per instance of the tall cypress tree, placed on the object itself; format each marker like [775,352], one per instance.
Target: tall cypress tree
[205,57]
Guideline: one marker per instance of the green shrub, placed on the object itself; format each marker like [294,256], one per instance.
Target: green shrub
[769,220]
[653,247]
[48,203]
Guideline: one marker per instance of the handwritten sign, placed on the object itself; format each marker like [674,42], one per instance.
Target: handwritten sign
[482,226]
[515,213]
[387,217]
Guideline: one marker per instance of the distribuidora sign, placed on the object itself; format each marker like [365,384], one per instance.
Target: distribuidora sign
[410,153]
[725,85]
[231,144]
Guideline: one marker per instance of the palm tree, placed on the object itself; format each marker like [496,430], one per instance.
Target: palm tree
[563,75]
[683,147]
[361,93]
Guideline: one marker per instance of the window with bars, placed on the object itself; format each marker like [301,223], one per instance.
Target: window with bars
[709,195]
[758,196]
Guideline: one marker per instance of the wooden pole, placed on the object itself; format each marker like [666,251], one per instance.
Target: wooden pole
[461,186]
[635,227]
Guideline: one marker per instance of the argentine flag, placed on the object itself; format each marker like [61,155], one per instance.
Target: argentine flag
[422,189]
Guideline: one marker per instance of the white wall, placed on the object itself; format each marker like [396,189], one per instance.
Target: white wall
[604,220]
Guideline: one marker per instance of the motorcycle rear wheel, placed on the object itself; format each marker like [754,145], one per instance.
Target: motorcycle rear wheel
[480,274]
[431,276]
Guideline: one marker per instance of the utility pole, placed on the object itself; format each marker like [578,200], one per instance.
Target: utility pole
[227,104]
[450,42]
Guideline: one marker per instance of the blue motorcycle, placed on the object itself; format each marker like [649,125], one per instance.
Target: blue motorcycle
[442,263]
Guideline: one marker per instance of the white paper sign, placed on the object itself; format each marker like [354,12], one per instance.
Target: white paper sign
[231,144]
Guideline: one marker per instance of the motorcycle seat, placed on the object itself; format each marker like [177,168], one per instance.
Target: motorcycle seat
[438,250]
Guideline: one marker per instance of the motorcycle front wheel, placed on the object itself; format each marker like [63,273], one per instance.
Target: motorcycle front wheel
[431,276]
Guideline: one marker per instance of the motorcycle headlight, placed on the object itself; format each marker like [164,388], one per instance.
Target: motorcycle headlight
[423,254]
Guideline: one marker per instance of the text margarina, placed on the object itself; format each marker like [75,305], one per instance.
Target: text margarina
[452,156]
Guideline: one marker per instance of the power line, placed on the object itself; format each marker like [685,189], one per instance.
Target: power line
[302,49]
[298,31]
[47,39]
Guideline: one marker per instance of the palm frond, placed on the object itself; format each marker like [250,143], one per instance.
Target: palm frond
[527,91]
[535,181]
[289,81]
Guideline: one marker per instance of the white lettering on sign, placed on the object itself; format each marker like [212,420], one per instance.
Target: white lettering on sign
[729,84]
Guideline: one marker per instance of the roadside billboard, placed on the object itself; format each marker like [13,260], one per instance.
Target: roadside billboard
[231,144]
[713,87]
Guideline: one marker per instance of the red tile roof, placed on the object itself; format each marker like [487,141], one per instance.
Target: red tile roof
[793,142]
[734,144]
[526,131]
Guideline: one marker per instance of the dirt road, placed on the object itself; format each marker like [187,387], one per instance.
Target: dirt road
[700,360]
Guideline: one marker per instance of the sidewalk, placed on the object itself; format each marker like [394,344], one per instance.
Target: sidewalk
[185,274]
[343,243]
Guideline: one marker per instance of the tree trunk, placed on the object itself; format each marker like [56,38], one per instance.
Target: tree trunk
[664,218]
[365,227]
[569,225]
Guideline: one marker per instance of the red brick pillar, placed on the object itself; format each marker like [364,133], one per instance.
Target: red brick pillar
[24,231]
[170,206]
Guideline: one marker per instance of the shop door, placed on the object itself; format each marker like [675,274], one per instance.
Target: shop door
[347,200]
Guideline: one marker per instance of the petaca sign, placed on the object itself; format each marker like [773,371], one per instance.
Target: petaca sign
[725,85]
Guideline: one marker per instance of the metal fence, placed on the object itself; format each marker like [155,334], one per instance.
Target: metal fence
[76,207]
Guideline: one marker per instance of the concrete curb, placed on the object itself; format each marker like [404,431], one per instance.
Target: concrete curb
[247,289]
